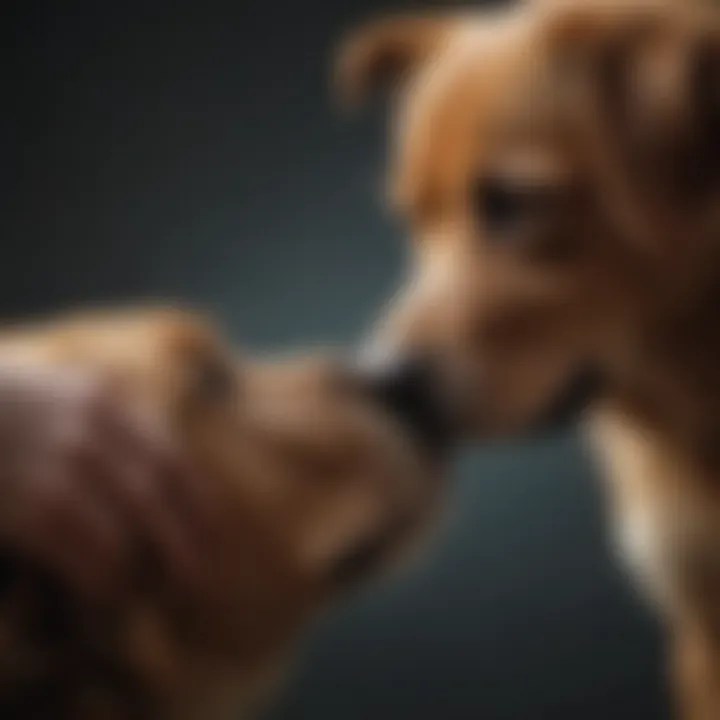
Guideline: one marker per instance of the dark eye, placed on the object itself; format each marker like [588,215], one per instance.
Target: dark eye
[214,381]
[506,206]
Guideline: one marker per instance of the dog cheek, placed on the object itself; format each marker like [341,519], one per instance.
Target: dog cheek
[518,380]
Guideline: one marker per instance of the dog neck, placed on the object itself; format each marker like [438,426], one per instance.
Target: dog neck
[672,383]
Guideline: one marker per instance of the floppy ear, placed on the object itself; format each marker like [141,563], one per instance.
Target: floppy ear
[381,54]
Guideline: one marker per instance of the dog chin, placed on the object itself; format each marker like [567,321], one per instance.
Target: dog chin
[561,412]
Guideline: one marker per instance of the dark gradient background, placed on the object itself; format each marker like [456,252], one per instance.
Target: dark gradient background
[188,150]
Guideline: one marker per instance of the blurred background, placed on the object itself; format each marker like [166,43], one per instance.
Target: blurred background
[188,150]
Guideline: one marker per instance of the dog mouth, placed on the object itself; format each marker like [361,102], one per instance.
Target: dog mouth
[570,403]
[361,561]
[369,555]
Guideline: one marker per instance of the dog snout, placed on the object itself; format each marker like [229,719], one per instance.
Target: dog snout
[410,388]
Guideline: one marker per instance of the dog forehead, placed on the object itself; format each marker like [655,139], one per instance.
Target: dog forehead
[118,337]
[501,80]
[486,83]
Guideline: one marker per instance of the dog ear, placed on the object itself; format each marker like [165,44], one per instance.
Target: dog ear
[653,75]
[382,54]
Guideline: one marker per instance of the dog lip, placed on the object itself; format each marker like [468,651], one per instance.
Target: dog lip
[369,555]
[571,402]
[359,562]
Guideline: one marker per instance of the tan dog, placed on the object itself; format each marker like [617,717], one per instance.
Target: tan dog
[558,164]
[320,483]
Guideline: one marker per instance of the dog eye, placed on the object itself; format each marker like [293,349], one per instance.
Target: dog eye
[505,207]
[214,381]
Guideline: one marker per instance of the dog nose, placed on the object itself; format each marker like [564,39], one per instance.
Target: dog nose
[410,388]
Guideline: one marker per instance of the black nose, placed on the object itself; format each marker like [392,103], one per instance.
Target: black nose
[410,388]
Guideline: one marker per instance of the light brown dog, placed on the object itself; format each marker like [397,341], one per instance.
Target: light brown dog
[558,164]
[320,482]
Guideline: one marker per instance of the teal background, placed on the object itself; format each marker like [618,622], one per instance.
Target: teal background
[188,150]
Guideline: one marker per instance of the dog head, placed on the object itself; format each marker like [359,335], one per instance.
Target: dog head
[557,164]
[320,476]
